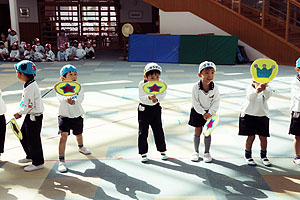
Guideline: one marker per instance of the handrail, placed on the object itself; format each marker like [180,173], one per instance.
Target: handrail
[267,11]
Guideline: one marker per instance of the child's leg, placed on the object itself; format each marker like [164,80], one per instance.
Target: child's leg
[207,142]
[158,132]
[198,131]
[31,141]
[24,141]
[297,146]
[79,139]
[248,146]
[142,138]
[263,143]
[62,145]
[2,132]
[34,140]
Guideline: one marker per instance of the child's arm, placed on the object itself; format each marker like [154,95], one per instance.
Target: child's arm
[215,102]
[251,93]
[295,92]
[267,92]
[79,98]
[142,95]
[161,96]
[196,101]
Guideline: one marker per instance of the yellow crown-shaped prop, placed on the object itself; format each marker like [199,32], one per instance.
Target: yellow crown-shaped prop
[264,70]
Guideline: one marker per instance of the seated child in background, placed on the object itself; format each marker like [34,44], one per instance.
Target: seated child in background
[74,49]
[37,55]
[22,49]
[80,53]
[39,46]
[3,52]
[90,52]
[14,53]
[4,40]
[68,51]
[49,55]
[61,54]
[28,53]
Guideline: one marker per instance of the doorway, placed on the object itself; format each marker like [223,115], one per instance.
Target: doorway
[82,21]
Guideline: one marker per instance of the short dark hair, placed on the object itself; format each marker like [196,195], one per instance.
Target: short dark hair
[1,43]
[29,76]
[151,72]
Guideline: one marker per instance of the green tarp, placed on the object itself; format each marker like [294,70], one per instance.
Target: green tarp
[198,48]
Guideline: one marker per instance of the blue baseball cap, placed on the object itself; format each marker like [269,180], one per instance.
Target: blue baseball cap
[26,67]
[298,63]
[67,68]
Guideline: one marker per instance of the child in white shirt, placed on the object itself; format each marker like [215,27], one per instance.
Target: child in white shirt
[70,117]
[14,53]
[254,120]
[49,55]
[2,124]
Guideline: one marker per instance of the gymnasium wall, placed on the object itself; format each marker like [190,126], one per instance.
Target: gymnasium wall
[186,23]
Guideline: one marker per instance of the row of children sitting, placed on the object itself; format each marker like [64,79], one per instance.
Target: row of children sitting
[38,53]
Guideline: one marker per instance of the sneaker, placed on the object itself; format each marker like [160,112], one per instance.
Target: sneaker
[296,161]
[266,162]
[31,168]
[164,156]
[207,158]
[84,150]
[25,160]
[93,57]
[250,161]
[195,157]
[144,158]
[62,168]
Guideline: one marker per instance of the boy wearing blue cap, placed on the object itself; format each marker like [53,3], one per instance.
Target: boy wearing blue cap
[70,117]
[295,115]
[32,106]
[205,103]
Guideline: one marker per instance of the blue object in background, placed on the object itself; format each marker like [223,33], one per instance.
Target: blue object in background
[153,48]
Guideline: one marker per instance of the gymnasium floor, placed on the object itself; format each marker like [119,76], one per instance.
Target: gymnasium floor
[114,171]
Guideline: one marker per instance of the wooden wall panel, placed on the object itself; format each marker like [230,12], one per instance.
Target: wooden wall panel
[248,31]
[29,31]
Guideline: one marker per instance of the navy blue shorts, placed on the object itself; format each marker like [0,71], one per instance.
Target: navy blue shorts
[196,119]
[250,125]
[295,124]
[66,124]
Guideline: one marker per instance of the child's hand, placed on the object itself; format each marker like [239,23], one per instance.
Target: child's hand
[263,86]
[70,101]
[153,98]
[17,115]
[206,116]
